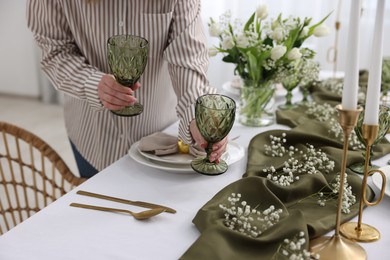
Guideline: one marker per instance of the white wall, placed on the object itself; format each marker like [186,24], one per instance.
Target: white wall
[19,65]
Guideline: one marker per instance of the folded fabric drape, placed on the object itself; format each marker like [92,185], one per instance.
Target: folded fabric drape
[299,200]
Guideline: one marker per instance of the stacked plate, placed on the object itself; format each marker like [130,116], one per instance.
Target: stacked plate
[180,162]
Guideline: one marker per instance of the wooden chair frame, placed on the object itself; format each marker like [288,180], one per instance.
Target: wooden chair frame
[32,175]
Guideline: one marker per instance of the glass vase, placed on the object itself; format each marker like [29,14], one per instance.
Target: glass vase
[257,104]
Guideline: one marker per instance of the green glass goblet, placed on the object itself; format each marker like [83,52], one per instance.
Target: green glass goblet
[384,125]
[127,57]
[289,84]
[214,116]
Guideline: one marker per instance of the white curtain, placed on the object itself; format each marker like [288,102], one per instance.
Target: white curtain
[220,72]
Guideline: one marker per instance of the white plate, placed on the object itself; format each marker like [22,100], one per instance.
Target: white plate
[227,86]
[377,179]
[234,153]
[326,74]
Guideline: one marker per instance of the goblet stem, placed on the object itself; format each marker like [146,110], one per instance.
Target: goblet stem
[289,98]
[305,93]
[208,150]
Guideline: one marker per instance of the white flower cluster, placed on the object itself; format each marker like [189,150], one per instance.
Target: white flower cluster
[293,249]
[309,72]
[277,148]
[258,46]
[241,217]
[321,112]
[302,71]
[334,85]
[349,198]
[354,142]
[326,113]
[312,161]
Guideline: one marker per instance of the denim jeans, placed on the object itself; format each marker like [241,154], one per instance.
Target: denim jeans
[86,170]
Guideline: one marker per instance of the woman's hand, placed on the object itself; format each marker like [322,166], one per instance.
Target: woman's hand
[218,148]
[113,95]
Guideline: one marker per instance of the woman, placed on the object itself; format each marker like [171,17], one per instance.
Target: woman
[73,36]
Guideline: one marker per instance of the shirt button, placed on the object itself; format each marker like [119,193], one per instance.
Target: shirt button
[121,23]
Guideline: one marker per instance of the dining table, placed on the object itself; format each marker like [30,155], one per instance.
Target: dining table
[60,231]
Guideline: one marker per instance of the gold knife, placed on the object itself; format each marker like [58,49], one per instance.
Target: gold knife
[125,201]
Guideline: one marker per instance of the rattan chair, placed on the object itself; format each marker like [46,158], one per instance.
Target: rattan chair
[32,175]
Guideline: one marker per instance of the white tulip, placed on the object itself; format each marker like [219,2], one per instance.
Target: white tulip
[214,29]
[242,41]
[262,11]
[275,24]
[305,31]
[277,34]
[321,30]
[294,54]
[278,51]
[227,43]
[213,52]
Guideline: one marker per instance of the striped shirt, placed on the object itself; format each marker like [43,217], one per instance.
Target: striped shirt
[73,36]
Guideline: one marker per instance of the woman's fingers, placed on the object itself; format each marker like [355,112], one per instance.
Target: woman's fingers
[218,148]
[113,95]
[196,135]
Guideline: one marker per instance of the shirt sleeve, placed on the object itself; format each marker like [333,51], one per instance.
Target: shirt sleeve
[62,60]
[187,56]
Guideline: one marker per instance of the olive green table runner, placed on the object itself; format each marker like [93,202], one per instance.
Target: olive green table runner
[299,202]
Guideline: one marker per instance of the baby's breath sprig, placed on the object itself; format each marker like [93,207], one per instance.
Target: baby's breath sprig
[334,85]
[277,148]
[320,112]
[326,113]
[312,161]
[323,197]
[337,131]
[294,249]
[241,217]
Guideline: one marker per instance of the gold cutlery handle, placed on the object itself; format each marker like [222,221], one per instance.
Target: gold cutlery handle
[137,215]
[129,202]
[86,206]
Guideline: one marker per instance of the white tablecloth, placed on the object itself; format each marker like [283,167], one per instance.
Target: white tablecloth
[63,232]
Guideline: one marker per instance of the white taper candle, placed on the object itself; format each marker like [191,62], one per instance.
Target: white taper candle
[371,112]
[351,79]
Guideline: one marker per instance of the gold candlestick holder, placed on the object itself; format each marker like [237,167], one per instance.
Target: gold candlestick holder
[336,246]
[358,231]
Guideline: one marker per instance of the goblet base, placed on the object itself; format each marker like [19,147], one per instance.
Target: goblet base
[359,168]
[133,110]
[287,106]
[203,166]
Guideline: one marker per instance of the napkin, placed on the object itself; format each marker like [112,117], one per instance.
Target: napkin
[159,143]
